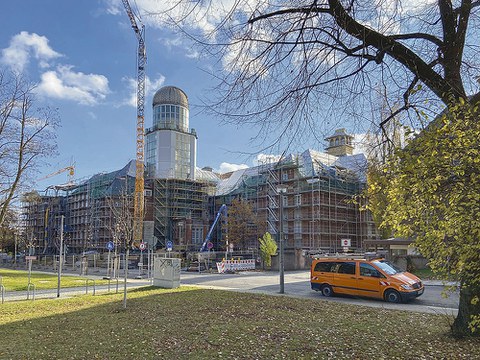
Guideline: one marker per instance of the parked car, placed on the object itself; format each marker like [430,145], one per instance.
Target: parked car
[376,278]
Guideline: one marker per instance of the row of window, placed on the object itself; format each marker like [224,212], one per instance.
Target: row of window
[170,117]
[341,141]
[345,267]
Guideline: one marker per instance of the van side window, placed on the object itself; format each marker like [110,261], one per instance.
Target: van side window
[346,268]
[368,270]
[323,266]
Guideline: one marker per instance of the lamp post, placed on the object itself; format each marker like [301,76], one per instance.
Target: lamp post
[312,181]
[60,260]
[281,189]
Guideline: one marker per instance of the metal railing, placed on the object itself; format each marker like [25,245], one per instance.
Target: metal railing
[86,285]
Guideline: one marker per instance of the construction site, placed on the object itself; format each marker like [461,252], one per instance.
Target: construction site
[163,201]
[310,195]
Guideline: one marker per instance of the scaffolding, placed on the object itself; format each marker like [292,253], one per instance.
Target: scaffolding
[87,208]
[180,212]
[318,207]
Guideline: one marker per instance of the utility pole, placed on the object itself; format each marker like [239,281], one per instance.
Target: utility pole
[281,189]
[60,260]
[15,255]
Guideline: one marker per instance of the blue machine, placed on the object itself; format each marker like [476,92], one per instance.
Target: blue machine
[221,211]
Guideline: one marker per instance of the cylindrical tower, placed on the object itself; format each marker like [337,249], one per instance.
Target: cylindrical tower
[171,148]
[170,109]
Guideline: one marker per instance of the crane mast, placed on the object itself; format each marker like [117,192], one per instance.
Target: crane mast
[138,206]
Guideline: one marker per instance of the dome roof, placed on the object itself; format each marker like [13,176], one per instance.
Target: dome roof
[170,95]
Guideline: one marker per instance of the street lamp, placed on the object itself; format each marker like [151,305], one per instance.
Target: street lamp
[60,260]
[281,189]
[312,181]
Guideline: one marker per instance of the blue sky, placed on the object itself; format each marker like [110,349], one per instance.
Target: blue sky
[83,56]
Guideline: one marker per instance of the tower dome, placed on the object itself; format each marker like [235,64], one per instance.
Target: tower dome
[170,95]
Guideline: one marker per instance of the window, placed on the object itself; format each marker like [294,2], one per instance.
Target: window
[347,268]
[285,176]
[297,227]
[324,266]
[298,200]
[388,267]
[368,270]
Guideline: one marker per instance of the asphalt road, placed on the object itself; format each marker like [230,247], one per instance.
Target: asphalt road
[297,284]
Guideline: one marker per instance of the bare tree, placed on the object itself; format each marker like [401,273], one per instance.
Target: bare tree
[290,67]
[242,224]
[26,136]
[121,206]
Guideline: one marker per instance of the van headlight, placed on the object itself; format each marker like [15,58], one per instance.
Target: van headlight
[407,286]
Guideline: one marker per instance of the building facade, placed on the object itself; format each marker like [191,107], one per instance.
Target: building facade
[309,195]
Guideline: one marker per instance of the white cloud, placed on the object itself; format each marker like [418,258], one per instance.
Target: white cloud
[150,88]
[361,143]
[23,46]
[114,7]
[227,167]
[92,115]
[63,83]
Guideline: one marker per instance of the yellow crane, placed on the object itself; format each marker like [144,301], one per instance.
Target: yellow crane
[71,173]
[138,205]
[69,184]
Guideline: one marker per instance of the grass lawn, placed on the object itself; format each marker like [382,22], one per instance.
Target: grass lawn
[17,280]
[193,323]
[426,274]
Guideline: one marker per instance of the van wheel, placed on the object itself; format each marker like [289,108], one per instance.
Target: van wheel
[392,296]
[327,290]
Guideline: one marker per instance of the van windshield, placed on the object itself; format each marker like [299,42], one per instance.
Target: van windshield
[387,267]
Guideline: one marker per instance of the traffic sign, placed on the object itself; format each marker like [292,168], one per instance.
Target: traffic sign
[169,245]
[209,245]
[110,245]
[143,246]
[346,242]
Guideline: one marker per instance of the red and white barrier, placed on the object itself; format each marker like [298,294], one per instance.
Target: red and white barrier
[235,265]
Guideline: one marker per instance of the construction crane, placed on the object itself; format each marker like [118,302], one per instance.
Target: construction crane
[69,184]
[71,173]
[221,212]
[138,207]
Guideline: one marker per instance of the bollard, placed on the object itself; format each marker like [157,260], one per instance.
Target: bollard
[28,291]
[86,286]
[2,288]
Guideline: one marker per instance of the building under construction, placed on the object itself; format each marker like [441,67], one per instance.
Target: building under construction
[314,191]
[317,194]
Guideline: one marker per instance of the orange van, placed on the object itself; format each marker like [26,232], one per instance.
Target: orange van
[376,278]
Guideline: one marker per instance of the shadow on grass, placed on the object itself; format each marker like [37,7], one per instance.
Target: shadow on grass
[194,323]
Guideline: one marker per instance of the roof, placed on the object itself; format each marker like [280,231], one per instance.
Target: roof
[170,95]
[311,163]
[339,132]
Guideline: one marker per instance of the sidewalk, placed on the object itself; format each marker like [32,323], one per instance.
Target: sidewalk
[439,283]
[100,274]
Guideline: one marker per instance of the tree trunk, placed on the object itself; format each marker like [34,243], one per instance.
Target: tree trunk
[466,313]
